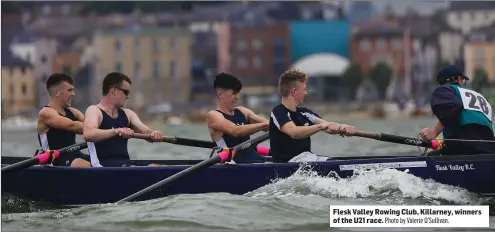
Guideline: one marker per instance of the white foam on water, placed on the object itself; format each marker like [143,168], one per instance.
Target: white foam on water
[385,185]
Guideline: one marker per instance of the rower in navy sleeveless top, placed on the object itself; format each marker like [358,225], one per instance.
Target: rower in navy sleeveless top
[229,124]
[58,123]
[108,127]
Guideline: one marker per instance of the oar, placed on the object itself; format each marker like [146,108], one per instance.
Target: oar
[433,144]
[218,158]
[45,157]
[179,140]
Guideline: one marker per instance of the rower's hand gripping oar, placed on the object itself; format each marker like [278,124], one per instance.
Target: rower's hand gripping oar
[45,157]
[220,157]
[433,143]
[178,140]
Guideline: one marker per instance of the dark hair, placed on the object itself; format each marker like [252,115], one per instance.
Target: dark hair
[113,80]
[56,79]
[227,81]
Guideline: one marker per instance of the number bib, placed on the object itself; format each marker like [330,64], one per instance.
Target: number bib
[472,100]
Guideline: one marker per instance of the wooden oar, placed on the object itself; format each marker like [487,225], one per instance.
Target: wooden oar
[45,157]
[218,158]
[179,140]
[433,144]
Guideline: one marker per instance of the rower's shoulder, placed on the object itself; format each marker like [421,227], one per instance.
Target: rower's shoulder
[74,110]
[92,110]
[213,113]
[46,111]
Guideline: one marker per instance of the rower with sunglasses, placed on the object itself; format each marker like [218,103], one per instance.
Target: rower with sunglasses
[108,126]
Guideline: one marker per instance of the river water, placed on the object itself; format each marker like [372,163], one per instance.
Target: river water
[298,203]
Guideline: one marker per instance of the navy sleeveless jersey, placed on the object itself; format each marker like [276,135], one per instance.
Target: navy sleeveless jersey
[58,138]
[112,148]
[247,156]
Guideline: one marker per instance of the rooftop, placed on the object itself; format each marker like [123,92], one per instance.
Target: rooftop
[137,30]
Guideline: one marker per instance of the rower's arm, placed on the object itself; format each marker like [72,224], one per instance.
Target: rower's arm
[51,118]
[78,114]
[438,128]
[251,116]
[218,122]
[136,124]
[92,121]
[301,132]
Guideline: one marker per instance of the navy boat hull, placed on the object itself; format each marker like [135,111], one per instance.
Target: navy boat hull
[79,186]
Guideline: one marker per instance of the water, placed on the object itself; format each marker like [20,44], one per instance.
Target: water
[298,203]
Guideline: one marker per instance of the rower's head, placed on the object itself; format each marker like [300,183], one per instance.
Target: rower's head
[116,88]
[451,74]
[227,89]
[292,85]
[61,87]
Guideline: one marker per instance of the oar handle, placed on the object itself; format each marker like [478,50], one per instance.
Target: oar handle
[433,144]
[178,140]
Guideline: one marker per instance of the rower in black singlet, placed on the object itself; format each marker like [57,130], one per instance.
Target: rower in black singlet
[56,139]
[112,152]
[249,155]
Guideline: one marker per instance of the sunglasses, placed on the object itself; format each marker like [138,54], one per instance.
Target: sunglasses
[125,91]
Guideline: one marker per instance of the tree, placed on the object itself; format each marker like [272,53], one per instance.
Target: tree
[480,79]
[381,75]
[352,78]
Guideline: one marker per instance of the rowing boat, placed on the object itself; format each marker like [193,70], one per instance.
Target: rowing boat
[80,186]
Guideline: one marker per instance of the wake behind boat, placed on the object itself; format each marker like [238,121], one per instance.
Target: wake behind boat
[79,186]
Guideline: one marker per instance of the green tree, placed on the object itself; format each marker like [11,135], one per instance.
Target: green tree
[381,74]
[352,78]
[480,79]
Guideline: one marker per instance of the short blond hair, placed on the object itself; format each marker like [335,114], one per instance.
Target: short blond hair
[289,80]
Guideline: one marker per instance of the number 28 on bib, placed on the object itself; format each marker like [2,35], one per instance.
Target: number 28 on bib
[473,100]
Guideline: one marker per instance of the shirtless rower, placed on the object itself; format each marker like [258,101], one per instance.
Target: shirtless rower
[230,124]
[292,125]
[58,123]
[108,126]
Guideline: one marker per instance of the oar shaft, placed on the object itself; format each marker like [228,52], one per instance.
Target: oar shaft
[218,158]
[44,157]
[178,140]
[398,139]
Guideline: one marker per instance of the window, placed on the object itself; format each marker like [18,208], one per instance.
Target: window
[11,90]
[118,67]
[44,77]
[380,44]
[24,89]
[43,59]
[365,45]
[154,45]
[241,45]
[136,45]
[173,69]
[257,62]
[278,46]
[241,62]
[23,70]
[173,44]
[65,9]
[47,9]
[117,45]
[156,70]
[257,44]
[137,70]
[397,43]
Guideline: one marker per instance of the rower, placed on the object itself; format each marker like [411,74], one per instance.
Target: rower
[292,125]
[230,124]
[58,122]
[108,126]
[462,114]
